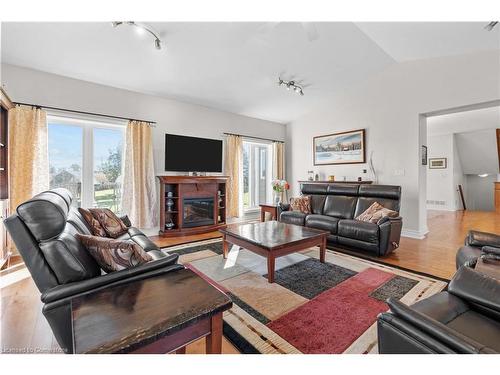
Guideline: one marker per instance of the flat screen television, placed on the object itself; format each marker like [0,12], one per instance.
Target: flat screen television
[192,154]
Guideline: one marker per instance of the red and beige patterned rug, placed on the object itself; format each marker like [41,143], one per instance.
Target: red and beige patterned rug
[313,307]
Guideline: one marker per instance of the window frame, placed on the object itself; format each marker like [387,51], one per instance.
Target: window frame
[251,166]
[87,124]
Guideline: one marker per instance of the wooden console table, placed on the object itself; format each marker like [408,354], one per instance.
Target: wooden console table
[160,314]
[176,189]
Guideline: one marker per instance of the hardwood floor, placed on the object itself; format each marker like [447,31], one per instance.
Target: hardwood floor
[24,329]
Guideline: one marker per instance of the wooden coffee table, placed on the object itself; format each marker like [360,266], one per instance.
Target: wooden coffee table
[273,239]
[160,314]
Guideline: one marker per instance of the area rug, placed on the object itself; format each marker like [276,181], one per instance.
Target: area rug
[313,307]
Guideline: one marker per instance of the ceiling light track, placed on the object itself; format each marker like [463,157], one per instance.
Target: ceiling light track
[140,26]
[291,85]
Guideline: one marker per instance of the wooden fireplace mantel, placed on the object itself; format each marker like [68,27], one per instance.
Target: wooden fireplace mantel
[183,187]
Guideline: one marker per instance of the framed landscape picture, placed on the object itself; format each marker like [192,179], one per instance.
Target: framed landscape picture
[340,148]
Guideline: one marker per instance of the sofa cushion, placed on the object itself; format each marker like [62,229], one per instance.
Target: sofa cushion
[322,222]
[359,230]
[45,215]
[293,217]
[144,242]
[340,206]
[114,255]
[67,258]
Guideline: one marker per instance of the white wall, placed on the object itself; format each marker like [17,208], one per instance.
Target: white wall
[480,193]
[388,107]
[31,86]
[440,182]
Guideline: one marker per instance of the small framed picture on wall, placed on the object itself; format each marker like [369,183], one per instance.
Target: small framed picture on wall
[437,163]
[424,155]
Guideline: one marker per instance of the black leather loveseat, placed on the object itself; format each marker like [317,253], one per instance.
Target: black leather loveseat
[463,319]
[43,230]
[334,208]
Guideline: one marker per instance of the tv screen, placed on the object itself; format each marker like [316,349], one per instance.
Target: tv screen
[191,154]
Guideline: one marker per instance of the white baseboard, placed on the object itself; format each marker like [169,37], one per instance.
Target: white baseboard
[410,233]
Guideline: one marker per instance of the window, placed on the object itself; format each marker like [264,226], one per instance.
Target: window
[256,174]
[85,157]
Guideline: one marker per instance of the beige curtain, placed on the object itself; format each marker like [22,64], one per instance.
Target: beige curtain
[232,169]
[279,163]
[139,189]
[28,154]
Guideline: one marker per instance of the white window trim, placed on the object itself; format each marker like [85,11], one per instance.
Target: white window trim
[87,124]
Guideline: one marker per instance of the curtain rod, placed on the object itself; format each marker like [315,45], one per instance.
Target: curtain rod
[250,136]
[81,112]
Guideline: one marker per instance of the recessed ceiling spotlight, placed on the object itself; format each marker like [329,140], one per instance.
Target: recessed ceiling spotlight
[291,85]
[490,26]
[141,29]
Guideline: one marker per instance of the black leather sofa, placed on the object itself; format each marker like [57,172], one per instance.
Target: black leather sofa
[334,207]
[43,230]
[463,319]
[474,242]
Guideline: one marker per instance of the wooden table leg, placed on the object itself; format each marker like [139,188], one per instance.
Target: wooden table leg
[262,214]
[214,339]
[225,247]
[181,350]
[322,250]
[270,268]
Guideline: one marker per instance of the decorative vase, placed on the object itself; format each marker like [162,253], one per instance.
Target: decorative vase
[277,198]
[170,204]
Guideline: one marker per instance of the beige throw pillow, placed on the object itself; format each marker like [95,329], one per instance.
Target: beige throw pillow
[302,204]
[376,212]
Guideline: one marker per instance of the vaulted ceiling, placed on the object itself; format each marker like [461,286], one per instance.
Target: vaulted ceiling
[234,66]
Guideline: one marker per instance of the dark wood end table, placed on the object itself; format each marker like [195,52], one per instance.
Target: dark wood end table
[273,239]
[160,314]
[271,208]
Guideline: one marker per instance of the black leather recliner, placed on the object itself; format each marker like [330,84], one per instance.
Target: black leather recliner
[468,254]
[334,207]
[43,230]
[463,319]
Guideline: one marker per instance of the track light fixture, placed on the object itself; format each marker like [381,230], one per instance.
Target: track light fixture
[490,26]
[140,28]
[291,85]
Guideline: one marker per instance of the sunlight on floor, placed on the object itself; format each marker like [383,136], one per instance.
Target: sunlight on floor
[232,256]
[14,277]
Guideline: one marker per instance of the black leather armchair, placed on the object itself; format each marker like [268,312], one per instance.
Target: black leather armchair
[474,242]
[43,230]
[463,319]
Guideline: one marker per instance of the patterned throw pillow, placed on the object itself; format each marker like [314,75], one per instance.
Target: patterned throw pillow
[302,204]
[95,227]
[376,212]
[113,255]
[112,224]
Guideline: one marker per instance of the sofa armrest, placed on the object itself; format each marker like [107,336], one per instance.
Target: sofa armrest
[480,239]
[126,220]
[434,328]
[149,269]
[284,206]
[476,288]
[490,250]
[390,234]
